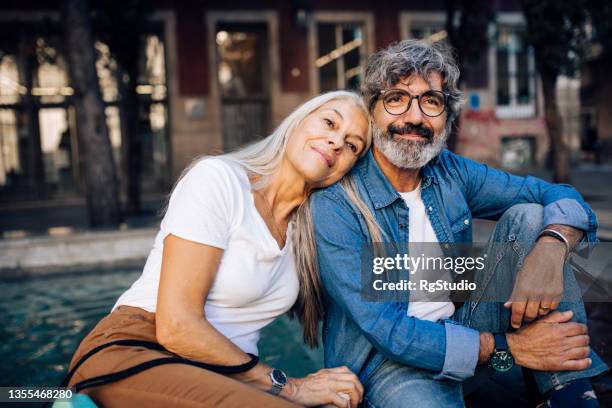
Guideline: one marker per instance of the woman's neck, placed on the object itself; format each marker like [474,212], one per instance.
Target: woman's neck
[285,191]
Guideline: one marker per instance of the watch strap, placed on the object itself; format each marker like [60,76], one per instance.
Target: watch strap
[500,341]
[277,386]
[275,390]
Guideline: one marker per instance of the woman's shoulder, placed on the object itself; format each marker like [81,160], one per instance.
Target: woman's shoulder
[219,171]
[217,165]
[206,203]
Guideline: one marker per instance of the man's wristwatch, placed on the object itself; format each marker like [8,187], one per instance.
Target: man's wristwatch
[279,380]
[501,359]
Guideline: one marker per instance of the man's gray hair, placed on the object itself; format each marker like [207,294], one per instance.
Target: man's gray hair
[387,67]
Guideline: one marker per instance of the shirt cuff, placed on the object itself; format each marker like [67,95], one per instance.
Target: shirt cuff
[568,211]
[462,349]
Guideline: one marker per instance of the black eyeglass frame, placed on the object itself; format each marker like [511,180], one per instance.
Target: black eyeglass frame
[417,97]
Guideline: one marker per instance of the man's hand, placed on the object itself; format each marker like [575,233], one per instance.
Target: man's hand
[538,288]
[551,343]
[539,284]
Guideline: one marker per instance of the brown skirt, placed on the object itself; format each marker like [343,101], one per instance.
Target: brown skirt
[173,385]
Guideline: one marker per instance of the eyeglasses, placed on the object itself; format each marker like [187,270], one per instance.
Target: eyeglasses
[431,103]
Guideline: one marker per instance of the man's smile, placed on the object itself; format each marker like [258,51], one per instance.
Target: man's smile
[410,136]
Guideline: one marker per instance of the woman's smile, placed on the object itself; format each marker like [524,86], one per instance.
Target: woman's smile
[328,159]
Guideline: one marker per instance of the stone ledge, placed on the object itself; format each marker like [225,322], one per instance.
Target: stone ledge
[75,252]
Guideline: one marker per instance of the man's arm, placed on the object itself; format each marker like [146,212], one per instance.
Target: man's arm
[552,343]
[487,346]
[450,349]
[538,288]
[490,192]
[573,235]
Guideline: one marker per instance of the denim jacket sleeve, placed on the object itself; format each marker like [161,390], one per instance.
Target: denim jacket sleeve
[489,192]
[450,349]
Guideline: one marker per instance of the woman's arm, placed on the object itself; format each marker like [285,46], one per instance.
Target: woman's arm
[187,274]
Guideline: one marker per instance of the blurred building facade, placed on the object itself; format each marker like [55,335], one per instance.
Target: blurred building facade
[596,118]
[217,74]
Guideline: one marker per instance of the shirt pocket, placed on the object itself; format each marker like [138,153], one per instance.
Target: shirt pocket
[461,227]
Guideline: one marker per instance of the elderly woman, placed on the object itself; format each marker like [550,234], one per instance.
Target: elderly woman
[231,255]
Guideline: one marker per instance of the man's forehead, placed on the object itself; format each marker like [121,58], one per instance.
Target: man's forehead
[431,79]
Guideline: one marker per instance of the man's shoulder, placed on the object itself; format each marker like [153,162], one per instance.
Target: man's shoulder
[446,158]
[449,165]
[333,212]
[331,203]
[335,192]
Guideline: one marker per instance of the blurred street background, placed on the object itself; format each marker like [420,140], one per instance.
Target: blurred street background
[104,102]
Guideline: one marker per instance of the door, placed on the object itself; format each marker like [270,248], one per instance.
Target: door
[242,75]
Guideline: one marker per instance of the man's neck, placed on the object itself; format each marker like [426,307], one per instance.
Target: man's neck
[403,180]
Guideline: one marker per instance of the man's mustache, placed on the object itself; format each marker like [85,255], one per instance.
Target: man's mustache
[410,128]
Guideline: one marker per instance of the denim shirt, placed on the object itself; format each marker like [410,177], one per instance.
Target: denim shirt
[361,334]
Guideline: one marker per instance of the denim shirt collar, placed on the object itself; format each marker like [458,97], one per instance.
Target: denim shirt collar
[378,186]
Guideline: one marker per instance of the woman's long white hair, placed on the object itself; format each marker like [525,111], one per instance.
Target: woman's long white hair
[261,159]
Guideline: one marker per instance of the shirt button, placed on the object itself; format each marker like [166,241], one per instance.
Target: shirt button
[430,209]
[466,222]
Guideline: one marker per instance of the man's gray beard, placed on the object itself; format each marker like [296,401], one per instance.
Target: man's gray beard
[408,154]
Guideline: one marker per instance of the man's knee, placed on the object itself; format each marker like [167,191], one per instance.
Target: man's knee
[524,222]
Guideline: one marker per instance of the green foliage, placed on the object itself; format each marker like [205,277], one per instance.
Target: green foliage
[600,12]
[468,34]
[120,24]
[557,31]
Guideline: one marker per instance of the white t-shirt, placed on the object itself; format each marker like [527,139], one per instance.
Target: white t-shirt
[256,281]
[420,231]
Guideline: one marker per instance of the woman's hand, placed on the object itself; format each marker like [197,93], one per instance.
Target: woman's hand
[337,387]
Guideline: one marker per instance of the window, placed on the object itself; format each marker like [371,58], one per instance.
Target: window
[38,143]
[429,31]
[341,54]
[153,111]
[431,26]
[515,75]
[35,119]
[242,67]
[518,152]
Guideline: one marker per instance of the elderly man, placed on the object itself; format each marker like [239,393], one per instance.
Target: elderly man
[410,189]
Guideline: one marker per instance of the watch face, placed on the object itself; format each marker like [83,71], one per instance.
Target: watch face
[279,377]
[502,361]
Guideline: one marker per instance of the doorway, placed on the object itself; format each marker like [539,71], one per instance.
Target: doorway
[244,88]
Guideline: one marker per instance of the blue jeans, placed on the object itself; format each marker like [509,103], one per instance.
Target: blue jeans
[395,385]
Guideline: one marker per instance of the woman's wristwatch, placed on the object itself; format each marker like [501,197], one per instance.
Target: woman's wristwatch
[279,380]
